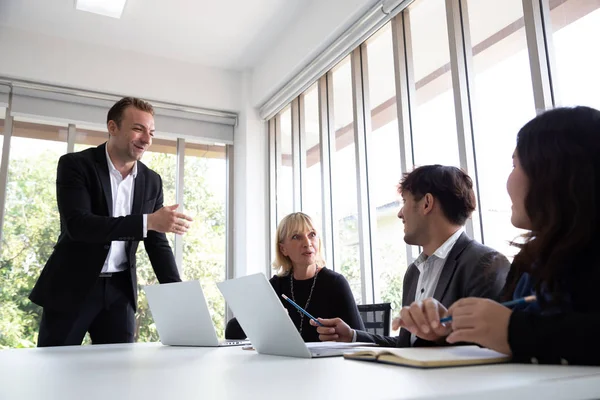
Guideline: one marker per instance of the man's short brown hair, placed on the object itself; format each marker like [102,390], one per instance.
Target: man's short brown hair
[116,111]
[452,187]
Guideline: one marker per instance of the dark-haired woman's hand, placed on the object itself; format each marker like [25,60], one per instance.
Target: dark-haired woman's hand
[480,321]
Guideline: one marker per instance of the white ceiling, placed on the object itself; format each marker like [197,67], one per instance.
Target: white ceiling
[230,34]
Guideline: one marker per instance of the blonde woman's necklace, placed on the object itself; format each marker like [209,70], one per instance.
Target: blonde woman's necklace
[309,295]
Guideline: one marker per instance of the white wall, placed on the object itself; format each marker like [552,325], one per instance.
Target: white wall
[317,26]
[47,59]
[251,247]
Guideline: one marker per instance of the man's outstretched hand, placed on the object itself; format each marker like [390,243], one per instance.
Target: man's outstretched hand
[167,220]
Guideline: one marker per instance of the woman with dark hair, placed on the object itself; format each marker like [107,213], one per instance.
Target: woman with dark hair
[555,194]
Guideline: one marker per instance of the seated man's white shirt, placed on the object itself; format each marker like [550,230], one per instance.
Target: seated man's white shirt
[430,268]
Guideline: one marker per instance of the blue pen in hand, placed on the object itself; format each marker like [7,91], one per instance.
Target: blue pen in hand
[522,300]
[301,309]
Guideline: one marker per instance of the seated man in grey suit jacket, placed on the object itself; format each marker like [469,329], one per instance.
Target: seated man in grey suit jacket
[438,200]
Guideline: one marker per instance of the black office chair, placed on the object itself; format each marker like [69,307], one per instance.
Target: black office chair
[233,330]
[376,317]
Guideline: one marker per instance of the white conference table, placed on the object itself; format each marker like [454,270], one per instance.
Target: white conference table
[153,371]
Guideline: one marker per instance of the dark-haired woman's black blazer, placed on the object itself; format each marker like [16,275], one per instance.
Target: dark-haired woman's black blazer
[570,336]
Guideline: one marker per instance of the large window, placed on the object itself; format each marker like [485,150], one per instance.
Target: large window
[204,197]
[343,180]
[384,172]
[312,199]
[576,25]
[434,120]
[285,171]
[2,122]
[412,54]
[502,81]
[161,158]
[31,226]
[31,223]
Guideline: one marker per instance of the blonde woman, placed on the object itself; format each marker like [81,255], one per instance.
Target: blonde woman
[303,277]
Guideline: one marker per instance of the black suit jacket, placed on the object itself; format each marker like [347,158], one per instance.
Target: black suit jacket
[471,270]
[87,227]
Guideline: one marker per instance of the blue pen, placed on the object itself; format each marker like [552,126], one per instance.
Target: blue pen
[522,300]
[301,309]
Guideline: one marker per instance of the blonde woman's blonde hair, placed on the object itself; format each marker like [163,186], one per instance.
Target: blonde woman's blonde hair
[289,226]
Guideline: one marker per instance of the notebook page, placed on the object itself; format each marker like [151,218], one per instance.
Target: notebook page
[336,345]
[453,353]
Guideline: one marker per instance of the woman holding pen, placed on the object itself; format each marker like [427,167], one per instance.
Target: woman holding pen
[303,278]
[555,194]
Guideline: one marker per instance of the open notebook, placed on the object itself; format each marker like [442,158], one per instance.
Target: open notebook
[431,357]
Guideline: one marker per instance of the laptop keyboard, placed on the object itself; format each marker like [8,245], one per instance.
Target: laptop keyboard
[234,342]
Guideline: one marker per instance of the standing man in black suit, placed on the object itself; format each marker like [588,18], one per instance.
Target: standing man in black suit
[438,200]
[108,201]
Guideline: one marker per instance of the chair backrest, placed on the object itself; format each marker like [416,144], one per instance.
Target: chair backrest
[233,330]
[376,317]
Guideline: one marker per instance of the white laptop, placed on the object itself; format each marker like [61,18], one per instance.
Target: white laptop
[267,323]
[181,315]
